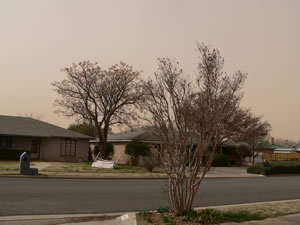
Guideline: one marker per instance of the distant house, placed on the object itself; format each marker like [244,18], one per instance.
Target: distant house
[44,140]
[282,153]
[119,141]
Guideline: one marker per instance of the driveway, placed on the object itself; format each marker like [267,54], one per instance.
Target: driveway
[40,165]
[223,172]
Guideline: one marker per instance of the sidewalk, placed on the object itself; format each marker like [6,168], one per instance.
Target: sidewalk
[127,219]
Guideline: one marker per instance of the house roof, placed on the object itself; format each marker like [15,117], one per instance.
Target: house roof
[25,126]
[146,134]
[266,146]
[286,150]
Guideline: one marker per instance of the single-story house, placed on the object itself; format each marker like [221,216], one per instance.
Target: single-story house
[265,150]
[145,134]
[44,140]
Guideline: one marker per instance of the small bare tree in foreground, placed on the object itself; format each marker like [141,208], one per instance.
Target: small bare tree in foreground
[193,120]
[102,97]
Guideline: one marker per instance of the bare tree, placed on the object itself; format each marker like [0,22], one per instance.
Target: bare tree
[288,142]
[256,134]
[103,97]
[192,121]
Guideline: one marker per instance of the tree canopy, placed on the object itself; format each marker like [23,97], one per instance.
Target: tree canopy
[102,97]
[193,118]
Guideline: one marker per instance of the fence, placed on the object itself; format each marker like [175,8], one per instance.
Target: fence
[293,156]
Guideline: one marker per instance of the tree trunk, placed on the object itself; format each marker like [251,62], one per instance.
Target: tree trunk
[102,149]
[102,143]
[135,161]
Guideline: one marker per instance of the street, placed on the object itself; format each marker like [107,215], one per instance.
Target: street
[27,196]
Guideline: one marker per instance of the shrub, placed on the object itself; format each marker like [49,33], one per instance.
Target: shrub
[152,160]
[282,168]
[163,209]
[220,160]
[275,168]
[166,219]
[256,168]
[109,150]
[136,149]
[12,154]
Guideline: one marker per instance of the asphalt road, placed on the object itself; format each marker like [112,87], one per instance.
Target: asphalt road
[26,196]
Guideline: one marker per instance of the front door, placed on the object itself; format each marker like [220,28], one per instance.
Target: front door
[35,148]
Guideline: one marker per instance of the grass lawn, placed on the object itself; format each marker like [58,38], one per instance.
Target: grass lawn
[9,166]
[57,168]
[85,167]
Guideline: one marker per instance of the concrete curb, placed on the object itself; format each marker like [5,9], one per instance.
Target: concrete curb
[56,216]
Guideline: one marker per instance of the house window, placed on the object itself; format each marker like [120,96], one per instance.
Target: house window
[68,147]
[35,146]
[5,142]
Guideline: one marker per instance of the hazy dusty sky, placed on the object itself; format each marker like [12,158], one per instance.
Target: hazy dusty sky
[262,38]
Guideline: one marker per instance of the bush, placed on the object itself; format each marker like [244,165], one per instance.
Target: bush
[136,149]
[220,160]
[256,168]
[275,168]
[109,150]
[12,154]
[152,160]
[282,168]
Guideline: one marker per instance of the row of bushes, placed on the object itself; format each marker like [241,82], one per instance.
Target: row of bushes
[275,168]
[11,154]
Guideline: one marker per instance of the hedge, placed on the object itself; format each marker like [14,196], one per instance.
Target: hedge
[11,154]
[220,160]
[275,168]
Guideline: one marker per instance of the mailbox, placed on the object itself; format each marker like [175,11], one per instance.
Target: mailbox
[25,165]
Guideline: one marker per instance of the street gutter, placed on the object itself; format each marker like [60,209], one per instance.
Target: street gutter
[114,177]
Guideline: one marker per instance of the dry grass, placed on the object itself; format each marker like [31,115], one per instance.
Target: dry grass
[9,166]
[269,209]
[82,169]
[265,210]
[85,167]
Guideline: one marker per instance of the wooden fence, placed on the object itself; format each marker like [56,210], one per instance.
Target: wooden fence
[293,156]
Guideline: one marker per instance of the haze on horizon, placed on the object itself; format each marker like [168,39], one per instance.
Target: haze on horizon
[39,38]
